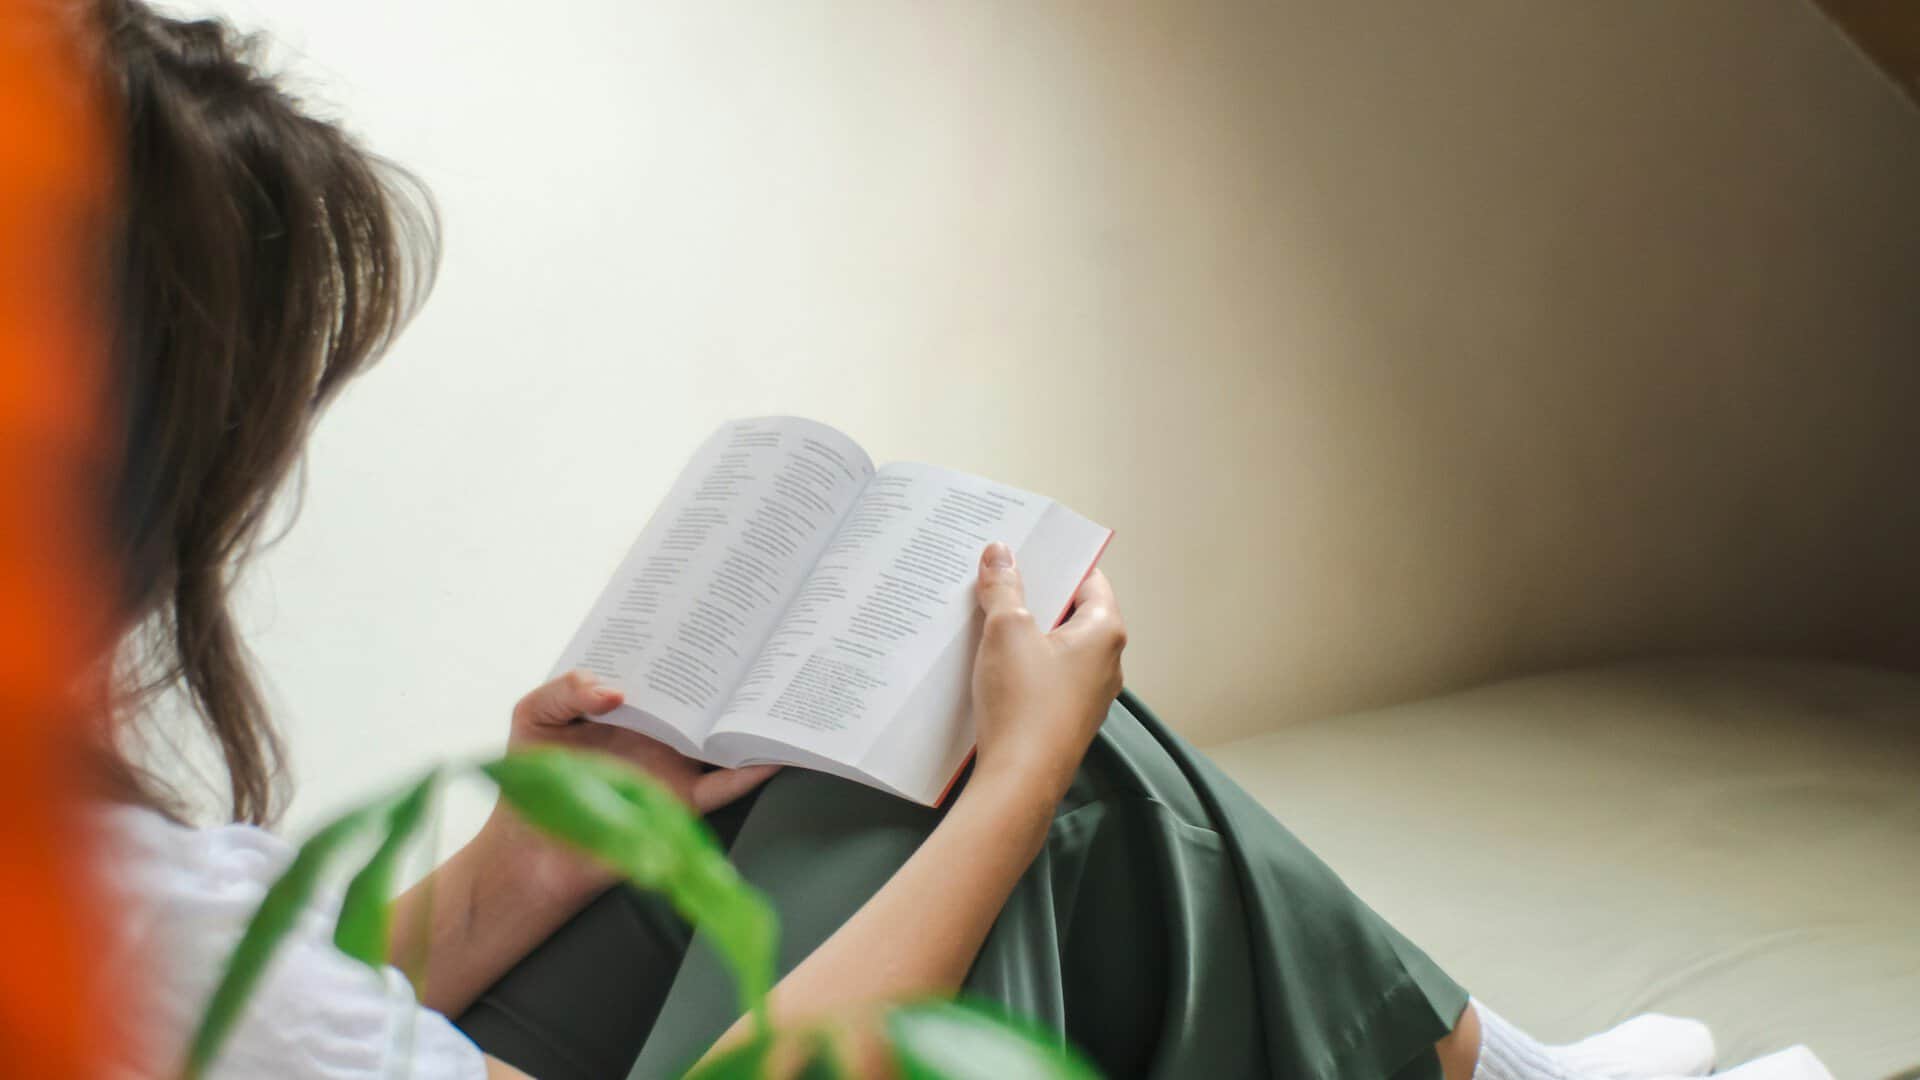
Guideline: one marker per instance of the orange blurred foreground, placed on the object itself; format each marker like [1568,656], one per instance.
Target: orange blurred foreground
[54,182]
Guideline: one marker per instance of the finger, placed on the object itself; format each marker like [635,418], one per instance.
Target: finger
[558,701]
[1000,591]
[1096,610]
[1096,592]
[715,789]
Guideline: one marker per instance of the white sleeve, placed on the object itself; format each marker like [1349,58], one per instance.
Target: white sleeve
[320,1015]
[184,897]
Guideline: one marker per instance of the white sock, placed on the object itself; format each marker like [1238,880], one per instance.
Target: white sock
[1507,1053]
[1649,1045]
[1644,1048]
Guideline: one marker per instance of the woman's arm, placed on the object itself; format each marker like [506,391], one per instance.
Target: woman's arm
[510,887]
[919,934]
[1039,699]
[478,914]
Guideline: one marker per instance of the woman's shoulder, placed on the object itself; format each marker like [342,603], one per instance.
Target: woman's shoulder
[180,897]
[137,844]
[166,879]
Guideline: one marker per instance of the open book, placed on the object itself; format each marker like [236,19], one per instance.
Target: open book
[790,603]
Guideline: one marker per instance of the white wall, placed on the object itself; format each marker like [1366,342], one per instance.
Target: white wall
[1405,344]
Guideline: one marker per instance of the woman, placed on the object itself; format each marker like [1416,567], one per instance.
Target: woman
[1157,914]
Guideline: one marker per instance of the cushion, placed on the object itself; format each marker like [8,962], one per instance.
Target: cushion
[1737,841]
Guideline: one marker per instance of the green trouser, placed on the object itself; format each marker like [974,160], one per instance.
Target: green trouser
[1170,927]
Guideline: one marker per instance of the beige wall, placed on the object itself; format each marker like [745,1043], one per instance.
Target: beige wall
[1460,339]
[1562,331]
[1406,344]
[1442,341]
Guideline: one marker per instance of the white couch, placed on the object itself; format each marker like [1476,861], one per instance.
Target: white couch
[1733,840]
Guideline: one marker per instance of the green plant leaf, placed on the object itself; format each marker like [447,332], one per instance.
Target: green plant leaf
[967,1040]
[823,1061]
[642,830]
[279,911]
[365,928]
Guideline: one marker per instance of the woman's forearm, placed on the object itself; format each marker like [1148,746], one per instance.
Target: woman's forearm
[473,918]
[919,934]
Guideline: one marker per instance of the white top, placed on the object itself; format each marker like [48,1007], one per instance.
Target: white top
[181,896]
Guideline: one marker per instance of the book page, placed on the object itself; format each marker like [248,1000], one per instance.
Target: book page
[920,750]
[703,586]
[888,598]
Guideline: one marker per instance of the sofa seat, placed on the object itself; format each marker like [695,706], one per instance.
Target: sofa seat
[1737,841]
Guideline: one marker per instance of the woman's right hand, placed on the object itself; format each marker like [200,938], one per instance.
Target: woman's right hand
[1038,699]
[1038,696]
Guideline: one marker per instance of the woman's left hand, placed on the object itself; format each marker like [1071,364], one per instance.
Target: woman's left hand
[511,886]
[555,714]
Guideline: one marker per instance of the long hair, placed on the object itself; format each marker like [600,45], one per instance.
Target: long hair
[263,258]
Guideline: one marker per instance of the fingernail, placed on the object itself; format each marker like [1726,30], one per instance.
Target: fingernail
[998,557]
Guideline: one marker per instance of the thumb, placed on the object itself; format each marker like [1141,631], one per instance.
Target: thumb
[1000,589]
[558,701]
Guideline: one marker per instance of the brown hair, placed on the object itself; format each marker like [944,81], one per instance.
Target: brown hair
[263,259]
